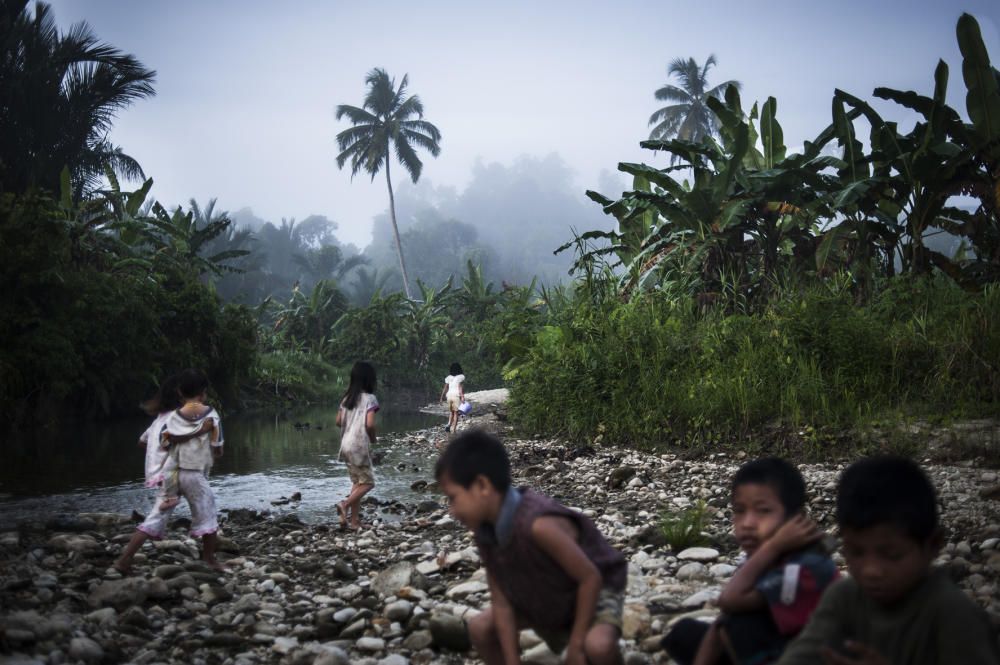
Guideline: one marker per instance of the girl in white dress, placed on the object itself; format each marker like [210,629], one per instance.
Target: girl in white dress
[454,392]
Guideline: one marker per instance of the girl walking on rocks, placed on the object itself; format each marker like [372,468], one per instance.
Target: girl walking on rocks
[454,391]
[356,418]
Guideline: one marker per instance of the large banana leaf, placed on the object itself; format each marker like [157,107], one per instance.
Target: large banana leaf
[982,99]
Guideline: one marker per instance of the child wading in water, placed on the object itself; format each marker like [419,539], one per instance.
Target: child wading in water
[548,567]
[454,392]
[199,429]
[356,418]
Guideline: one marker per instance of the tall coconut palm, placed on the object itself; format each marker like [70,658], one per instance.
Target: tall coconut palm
[689,117]
[388,120]
[59,94]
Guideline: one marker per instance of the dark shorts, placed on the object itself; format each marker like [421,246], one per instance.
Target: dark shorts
[610,604]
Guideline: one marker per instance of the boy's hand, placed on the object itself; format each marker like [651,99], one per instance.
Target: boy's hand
[862,655]
[575,655]
[216,452]
[795,534]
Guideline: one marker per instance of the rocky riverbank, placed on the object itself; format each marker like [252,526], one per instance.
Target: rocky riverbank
[397,592]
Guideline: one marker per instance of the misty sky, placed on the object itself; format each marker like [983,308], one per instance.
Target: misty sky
[246,90]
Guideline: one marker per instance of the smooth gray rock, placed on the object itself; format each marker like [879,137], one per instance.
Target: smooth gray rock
[449,632]
[85,649]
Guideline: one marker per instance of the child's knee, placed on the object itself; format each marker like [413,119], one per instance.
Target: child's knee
[601,643]
[481,628]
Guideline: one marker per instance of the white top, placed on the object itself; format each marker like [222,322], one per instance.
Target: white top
[195,454]
[454,383]
[354,443]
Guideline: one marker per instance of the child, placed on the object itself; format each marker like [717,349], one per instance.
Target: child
[772,595]
[548,567]
[896,608]
[356,418]
[192,460]
[454,391]
[159,465]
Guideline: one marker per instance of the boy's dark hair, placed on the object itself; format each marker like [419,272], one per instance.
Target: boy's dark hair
[779,474]
[191,383]
[455,370]
[888,490]
[475,453]
[362,381]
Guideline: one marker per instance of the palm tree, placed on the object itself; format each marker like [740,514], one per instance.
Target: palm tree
[689,118]
[59,94]
[387,120]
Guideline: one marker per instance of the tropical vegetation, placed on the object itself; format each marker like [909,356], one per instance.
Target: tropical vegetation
[388,122]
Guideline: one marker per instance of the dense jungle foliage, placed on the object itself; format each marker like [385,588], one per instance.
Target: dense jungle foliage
[742,290]
[788,290]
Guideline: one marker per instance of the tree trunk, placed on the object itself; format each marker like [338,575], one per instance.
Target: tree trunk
[395,230]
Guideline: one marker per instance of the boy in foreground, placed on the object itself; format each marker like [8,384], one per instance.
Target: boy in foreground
[772,595]
[548,567]
[896,608]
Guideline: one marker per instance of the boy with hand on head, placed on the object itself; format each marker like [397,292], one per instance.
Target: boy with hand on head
[896,608]
[548,567]
[771,596]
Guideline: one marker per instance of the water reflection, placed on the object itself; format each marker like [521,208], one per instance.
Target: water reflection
[99,468]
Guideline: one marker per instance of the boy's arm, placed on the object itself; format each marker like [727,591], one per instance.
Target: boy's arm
[824,630]
[505,622]
[444,391]
[557,537]
[340,417]
[710,649]
[741,594]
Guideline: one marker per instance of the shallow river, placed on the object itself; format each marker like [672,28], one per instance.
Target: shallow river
[99,468]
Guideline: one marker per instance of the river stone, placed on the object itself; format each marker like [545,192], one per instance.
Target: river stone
[105,617]
[466,589]
[344,615]
[395,577]
[369,644]
[343,571]
[635,620]
[428,567]
[449,632]
[119,593]
[721,570]
[394,659]
[105,520]
[691,571]
[284,645]
[702,554]
[85,649]
[168,570]
[332,656]
[399,610]
[248,602]
[18,636]
[417,640]
[354,630]
[700,598]
[224,640]
[69,542]
[10,539]
[70,524]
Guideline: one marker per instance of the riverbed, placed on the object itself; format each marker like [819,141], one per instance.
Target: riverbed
[99,468]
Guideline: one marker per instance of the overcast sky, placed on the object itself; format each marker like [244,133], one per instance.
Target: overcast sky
[247,90]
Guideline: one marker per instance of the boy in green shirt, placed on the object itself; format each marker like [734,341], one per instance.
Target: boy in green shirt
[896,608]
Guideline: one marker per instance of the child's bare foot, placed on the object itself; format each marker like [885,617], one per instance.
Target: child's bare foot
[342,511]
[355,526]
[216,565]
[123,567]
[168,502]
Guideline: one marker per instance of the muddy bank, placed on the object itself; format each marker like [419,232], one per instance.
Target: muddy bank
[303,594]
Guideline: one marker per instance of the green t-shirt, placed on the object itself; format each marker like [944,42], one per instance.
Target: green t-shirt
[936,624]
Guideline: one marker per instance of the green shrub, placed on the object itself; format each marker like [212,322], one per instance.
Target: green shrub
[685,528]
